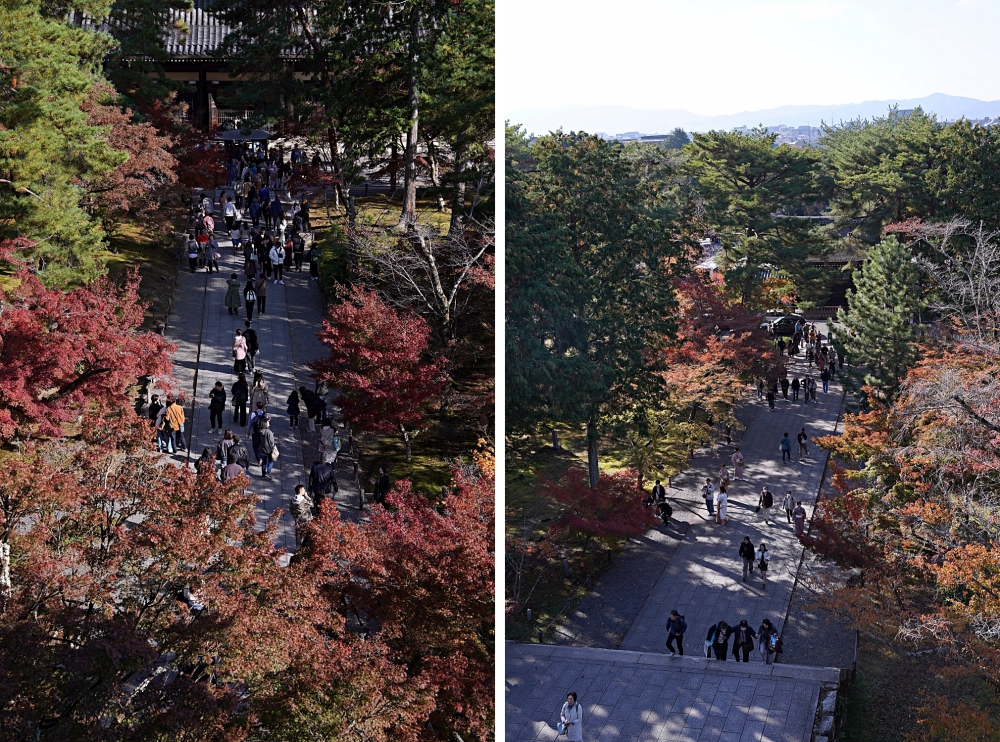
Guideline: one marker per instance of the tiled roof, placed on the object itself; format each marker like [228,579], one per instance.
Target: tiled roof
[205,33]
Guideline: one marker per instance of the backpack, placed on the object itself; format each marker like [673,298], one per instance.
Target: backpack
[166,426]
[250,295]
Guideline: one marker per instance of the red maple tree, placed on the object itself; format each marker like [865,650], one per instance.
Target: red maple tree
[61,352]
[378,359]
[610,512]
[135,186]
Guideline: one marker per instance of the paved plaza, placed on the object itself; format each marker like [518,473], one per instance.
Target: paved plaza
[642,697]
[203,330]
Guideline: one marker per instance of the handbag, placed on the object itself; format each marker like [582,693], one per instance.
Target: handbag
[561,728]
[757,510]
[274,454]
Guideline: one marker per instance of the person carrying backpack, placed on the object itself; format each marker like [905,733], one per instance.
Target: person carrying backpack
[747,551]
[768,641]
[676,626]
[259,396]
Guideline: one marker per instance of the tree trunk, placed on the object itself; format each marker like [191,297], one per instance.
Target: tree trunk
[458,197]
[5,583]
[592,463]
[406,440]
[409,213]
[393,154]
[435,173]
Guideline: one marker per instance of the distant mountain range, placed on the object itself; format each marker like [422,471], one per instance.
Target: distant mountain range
[620,119]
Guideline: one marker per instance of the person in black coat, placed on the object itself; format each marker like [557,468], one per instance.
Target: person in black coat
[253,341]
[238,454]
[743,639]
[322,479]
[241,393]
[315,405]
[216,406]
[382,486]
[718,640]
[747,552]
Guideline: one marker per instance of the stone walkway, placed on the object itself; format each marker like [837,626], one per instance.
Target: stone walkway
[704,578]
[203,330]
[656,698]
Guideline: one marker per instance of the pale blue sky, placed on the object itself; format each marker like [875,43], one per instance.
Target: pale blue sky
[724,56]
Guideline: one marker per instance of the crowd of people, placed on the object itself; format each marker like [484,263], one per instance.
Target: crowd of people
[766,639]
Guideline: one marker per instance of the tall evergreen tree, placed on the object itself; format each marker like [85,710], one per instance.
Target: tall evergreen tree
[47,145]
[883,171]
[879,320]
[592,250]
[753,191]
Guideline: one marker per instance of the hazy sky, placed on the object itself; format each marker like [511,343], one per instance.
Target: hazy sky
[724,56]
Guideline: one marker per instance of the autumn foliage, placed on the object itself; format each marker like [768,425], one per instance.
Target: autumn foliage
[610,512]
[135,186]
[378,358]
[61,352]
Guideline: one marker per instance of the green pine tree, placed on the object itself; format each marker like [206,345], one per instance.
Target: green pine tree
[879,321]
[47,148]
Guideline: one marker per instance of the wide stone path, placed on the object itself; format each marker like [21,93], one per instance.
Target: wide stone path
[204,356]
[704,578]
[640,697]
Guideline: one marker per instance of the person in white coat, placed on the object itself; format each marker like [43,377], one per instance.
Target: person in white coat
[277,256]
[572,717]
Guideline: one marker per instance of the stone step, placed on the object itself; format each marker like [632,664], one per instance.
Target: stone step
[652,697]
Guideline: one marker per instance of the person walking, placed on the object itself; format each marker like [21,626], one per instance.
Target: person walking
[253,343]
[676,626]
[803,441]
[767,640]
[737,459]
[786,448]
[723,475]
[260,285]
[765,502]
[212,254]
[812,390]
[382,486]
[805,390]
[222,449]
[771,396]
[298,251]
[743,640]
[241,395]
[250,297]
[760,388]
[164,433]
[789,505]
[216,406]
[717,641]
[254,423]
[277,256]
[313,263]
[721,502]
[708,492]
[795,390]
[322,480]
[799,518]
[329,443]
[293,409]
[267,448]
[233,294]
[154,407]
[205,462]
[763,561]
[825,377]
[571,719]
[301,510]
[315,407]
[259,397]
[192,253]
[239,353]
[238,453]
[175,414]
[659,491]
[784,387]
[747,552]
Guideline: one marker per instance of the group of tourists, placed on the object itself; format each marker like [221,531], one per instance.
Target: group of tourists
[766,639]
